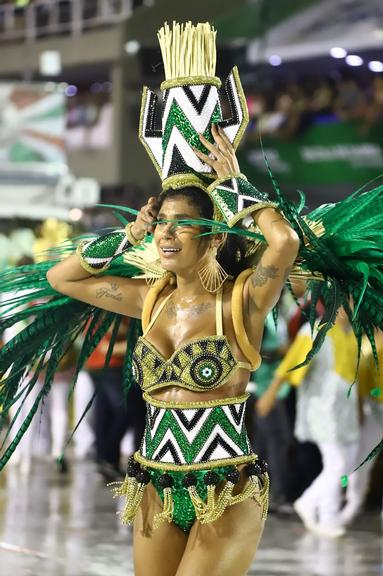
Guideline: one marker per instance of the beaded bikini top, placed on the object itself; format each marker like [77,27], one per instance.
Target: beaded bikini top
[203,363]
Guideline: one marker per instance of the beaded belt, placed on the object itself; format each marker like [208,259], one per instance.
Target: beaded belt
[195,435]
[194,447]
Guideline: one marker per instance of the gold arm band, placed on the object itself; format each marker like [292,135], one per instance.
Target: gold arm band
[130,236]
[83,263]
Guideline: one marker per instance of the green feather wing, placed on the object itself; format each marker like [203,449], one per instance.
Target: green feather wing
[52,323]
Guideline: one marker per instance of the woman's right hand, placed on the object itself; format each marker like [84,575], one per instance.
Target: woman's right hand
[146,217]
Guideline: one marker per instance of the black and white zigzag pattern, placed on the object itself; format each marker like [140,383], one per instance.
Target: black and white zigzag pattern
[190,426]
[197,103]
[239,201]
[151,137]
[239,115]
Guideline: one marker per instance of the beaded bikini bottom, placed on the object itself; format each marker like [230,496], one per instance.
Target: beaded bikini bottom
[191,453]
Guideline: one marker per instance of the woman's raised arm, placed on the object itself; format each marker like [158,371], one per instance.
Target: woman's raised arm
[76,276]
[266,282]
[122,295]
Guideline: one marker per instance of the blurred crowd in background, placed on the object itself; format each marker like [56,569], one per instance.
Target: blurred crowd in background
[288,108]
[310,435]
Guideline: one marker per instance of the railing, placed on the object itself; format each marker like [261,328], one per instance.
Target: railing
[42,18]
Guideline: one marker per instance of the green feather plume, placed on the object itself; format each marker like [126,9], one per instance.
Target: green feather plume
[340,243]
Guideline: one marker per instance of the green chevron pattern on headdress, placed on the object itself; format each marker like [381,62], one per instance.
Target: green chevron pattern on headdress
[191,104]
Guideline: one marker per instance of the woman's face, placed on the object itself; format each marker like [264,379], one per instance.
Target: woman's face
[179,249]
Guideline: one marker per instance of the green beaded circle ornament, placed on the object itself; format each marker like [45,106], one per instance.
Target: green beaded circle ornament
[206,370]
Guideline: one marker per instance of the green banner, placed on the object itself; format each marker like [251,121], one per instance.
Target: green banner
[32,124]
[328,153]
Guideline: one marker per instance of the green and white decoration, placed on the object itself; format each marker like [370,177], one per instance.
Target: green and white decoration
[195,434]
[191,104]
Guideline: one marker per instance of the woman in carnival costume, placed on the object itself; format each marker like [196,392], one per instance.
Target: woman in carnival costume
[201,284]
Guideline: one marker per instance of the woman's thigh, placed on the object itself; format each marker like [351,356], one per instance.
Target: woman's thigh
[156,552]
[225,547]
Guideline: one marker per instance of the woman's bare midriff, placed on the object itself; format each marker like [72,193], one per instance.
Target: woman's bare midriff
[235,387]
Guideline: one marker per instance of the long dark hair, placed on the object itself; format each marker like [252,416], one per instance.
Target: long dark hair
[231,254]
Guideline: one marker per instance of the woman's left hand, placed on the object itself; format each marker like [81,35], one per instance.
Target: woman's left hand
[224,161]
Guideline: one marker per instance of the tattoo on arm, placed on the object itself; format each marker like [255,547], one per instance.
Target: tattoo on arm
[111,292]
[263,273]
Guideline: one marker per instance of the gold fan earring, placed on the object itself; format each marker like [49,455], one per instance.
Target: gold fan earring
[212,275]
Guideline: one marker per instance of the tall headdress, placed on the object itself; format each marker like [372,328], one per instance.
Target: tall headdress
[191,104]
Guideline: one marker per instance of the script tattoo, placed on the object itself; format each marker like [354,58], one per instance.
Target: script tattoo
[262,274]
[111,292]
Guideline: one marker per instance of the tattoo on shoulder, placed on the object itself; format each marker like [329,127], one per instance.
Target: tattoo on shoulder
[110,291]
[263,273]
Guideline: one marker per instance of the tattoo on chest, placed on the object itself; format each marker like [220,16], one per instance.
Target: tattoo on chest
[263,273]
[171,311]
[110,291]
[193,312]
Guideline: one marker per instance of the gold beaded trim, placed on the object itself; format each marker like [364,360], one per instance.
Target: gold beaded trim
[191,81]
[245,111]
[250,210]
[219,181]
[188,179]
[197,466]
[198,404]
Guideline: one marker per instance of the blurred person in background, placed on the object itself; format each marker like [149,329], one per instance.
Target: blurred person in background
[374,110]
[350,101]
[24,452]
[322,99]
[325,415]
[113,412]
[84,438]
[58,409]
[50,430]
[371,415]
[272,433]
